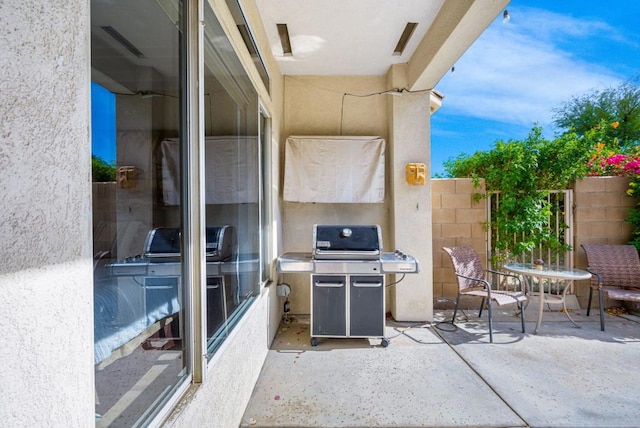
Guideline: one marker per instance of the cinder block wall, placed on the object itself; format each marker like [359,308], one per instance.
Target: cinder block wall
[457,220]
[601,209]
[104,217]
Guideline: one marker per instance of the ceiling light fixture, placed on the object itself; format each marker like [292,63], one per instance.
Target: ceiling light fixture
[283,32]
[404,38]
[505,16]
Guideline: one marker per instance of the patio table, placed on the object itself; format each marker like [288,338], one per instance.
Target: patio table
[542,272]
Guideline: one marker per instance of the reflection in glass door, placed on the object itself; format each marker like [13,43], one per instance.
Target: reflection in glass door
[139,303]
[232,193]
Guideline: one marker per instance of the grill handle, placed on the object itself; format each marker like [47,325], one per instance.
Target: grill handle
[329,284]
[367,284]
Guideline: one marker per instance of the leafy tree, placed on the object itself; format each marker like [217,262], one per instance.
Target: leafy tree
[530,164]
[101,170]
[617,105]
[601,137]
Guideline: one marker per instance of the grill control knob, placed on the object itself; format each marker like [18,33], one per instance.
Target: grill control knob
[345,233]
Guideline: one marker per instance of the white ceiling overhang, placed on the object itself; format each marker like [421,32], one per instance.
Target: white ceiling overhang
[358,37]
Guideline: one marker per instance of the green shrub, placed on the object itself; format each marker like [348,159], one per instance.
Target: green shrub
[524,172]
[101,170]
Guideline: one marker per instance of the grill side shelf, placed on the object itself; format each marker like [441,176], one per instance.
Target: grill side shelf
[295,262]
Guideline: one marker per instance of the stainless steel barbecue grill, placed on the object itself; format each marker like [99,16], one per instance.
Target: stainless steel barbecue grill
[347,267]
[158,270]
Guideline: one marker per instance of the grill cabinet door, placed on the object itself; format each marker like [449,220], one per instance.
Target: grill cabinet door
[366,295]
[215,304]
[328,310]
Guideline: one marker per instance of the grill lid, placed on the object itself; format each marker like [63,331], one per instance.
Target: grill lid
[163,243]
[347,242]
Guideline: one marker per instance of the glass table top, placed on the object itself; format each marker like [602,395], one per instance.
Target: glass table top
[548,271]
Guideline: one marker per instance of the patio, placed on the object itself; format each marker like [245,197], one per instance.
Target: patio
[439,375]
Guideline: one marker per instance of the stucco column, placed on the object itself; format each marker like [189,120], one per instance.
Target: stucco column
[410,141]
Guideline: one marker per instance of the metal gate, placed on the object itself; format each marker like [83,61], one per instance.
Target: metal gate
[560,223]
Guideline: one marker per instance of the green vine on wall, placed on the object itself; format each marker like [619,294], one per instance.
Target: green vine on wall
[634,213]
[523,172]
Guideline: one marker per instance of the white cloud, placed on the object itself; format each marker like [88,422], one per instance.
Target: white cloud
[517,72]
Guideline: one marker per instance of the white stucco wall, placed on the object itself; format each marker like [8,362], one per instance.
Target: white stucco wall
[314,105]
[410,136]
[45,256]
[221,400]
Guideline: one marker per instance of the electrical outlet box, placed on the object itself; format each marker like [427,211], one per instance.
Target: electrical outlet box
[283,290]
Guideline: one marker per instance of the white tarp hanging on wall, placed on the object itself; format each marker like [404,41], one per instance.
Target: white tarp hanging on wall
[334,169]
[231,165]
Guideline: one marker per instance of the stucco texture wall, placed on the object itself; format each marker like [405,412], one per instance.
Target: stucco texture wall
[314,105]
[221,400]
[45,221]
[340,105]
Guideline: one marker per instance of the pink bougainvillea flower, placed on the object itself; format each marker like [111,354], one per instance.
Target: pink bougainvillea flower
[633,166]
[616,159]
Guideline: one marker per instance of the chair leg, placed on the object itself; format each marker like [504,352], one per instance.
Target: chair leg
[481,308]
[522,315]
[589,301]
[601,304]
[490,321]
[455,310]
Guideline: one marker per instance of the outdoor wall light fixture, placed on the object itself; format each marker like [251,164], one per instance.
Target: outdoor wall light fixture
[127,177]
[416,174]
[505,16]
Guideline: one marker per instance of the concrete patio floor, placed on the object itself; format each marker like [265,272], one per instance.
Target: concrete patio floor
[440,375]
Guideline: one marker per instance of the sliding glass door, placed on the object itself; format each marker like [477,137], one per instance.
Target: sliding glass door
[139,291]
[232,192]
[157,187]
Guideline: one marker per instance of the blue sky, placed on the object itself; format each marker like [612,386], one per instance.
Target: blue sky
[517,72]
[103,123]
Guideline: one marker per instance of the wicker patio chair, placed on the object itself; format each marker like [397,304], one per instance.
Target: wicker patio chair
[616,272]
[473,281]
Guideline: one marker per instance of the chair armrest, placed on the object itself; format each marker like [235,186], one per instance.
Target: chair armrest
[597,275]
[504,274]
[511,275]
[481,280]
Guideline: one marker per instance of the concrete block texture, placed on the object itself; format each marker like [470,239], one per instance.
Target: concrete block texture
[463,200]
